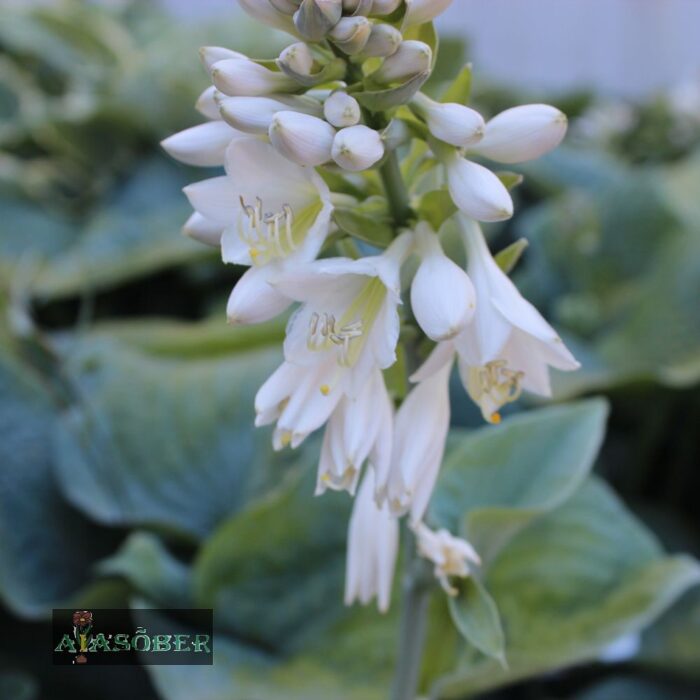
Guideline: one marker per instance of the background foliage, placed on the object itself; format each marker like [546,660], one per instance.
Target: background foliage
[129,472]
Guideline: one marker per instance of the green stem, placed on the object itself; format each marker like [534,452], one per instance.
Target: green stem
[414,616]
[395,188]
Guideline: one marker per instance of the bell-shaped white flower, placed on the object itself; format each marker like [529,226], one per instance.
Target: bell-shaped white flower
[384,7]
[357,147]
[508,346]
[203,230]
[420,11]
[383,41]
[213,54]
[241,77]
[420,432]
[254,299]
[269,12]
[449,554]
[351,34]
[442,295]
[411,58]
[475,190]
[522,133]
[341,109]
[373,542]
[253,115]
[301,138]
[348,313]
[202,145]
[360,428]
[450,122]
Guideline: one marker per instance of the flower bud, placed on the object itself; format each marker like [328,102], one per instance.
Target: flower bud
[383,41]
[420,11]
[357,7]
[384,7]
[206,103]
[202,145]
[253,115]
[340,109]
[442,295]
[242,77]
[315,18]
[411,58]
[357,147]
[453,123]
[213,54]
[301,138]
[351,34]
[522,133]
[477,191]
[273,13]
[297,59]
[203,230]
[288,7]
[254,299]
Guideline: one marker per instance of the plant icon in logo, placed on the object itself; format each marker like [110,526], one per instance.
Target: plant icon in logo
[82,627]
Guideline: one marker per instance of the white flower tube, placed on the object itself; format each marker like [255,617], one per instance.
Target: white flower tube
[357,147]
[202,145]
[203,230]
[420,433]
[373,541]
[420,11]
[442,295]
[341,109]
[411,58]
[450,122]
[361,427]
[242,77]
[301,138]
[253,115]
[522,133]
[254,299]
[449,554]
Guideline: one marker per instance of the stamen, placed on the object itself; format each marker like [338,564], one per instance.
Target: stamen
[493,386]
[324,330]
[267,235]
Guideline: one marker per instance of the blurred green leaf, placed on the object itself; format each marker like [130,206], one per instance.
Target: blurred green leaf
[460,88]
[436,207]
[508,258]
[367,222]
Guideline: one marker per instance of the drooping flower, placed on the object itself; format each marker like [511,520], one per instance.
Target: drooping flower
[442,295]
[360,429]
[373,539]
[272,212]
[420,433]
[449,554]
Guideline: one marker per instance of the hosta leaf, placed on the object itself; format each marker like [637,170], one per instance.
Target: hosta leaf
[508,258]
[459,90]
[387,98]
[436,207]
[367,222]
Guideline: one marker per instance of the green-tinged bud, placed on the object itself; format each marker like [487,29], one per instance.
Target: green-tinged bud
[357,148]
[450,122]
[315,18]
[297,59]
[383,41]
[411,58]
[340,109]
[351,34]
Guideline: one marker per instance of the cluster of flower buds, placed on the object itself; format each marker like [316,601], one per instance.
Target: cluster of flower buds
[307,140]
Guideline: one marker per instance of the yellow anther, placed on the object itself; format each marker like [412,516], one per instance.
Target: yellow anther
[285,438]
[325,389]
[495,417]
[254,252]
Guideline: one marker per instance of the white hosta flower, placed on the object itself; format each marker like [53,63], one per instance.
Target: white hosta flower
[202,145]
[508,346]
[270,12]
[373,542]
[383,41]
[254,299]
[449,554]
[203,230]
[297,59]
[450,122]
[341,109]
[522,133]
[475,190]
[301,138]
[241,77]
[253,115]
[351,34]
[411,58]
[213,54]
[360,428]
[357,147]
[384,7]
[420,432]
[348,313]
[420,11]
[442,295]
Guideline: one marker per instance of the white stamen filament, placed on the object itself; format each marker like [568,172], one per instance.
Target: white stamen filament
[268,235]
[324,329]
